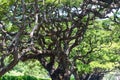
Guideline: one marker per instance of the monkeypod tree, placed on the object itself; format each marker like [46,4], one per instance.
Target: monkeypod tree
[48,31]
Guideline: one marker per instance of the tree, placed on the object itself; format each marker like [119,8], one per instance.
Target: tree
[48,32]
[96,54]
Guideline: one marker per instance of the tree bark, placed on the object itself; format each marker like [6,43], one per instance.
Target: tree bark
[60,74]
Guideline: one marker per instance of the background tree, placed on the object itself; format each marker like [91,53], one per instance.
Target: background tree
[48,32]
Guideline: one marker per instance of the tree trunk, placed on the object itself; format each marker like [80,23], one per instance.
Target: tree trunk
[60,74]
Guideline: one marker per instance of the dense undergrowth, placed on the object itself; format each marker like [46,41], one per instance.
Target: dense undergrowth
[26,77]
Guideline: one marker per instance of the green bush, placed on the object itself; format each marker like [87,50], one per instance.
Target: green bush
[6,77]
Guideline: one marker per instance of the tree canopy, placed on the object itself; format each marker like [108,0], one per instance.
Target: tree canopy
[63,35]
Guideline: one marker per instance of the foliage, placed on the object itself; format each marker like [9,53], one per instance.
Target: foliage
[97,49]
[6,77]
[67,38]
[31,68]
